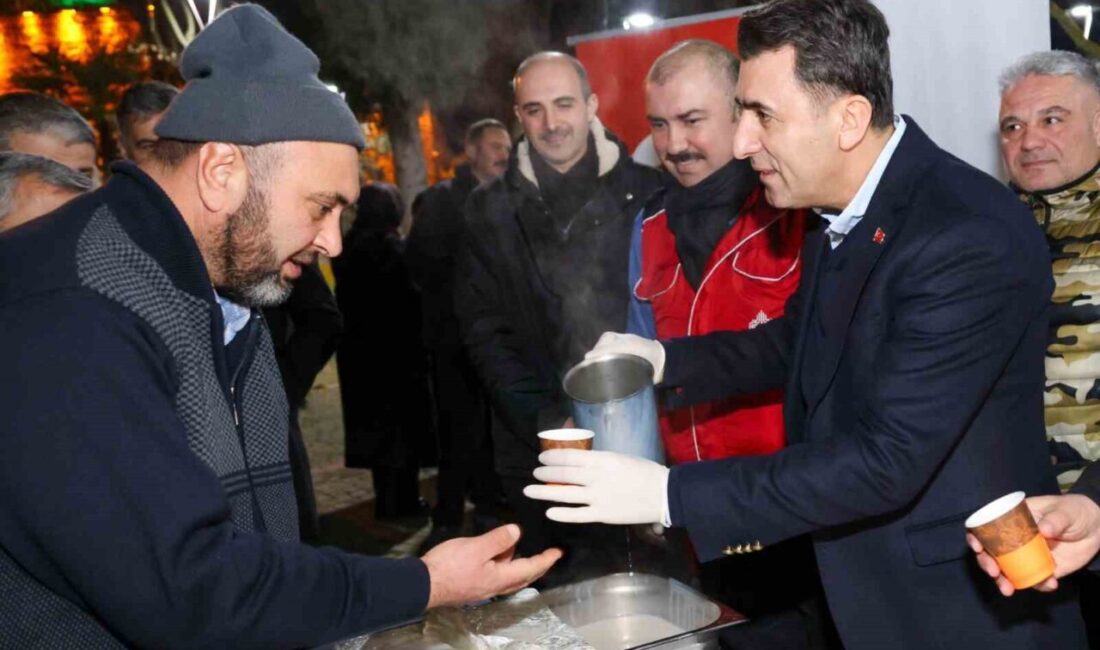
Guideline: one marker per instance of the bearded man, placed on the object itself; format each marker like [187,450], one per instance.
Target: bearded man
[146,499]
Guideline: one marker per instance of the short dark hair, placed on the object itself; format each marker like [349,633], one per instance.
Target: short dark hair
[169,153]
[143,100]
[840,48]
[263,160]
[379,209]
[27,112]
[478,129]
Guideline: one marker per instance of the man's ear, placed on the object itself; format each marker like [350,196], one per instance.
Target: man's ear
[592,104]
[222,177]
[1096,128]
[855,120]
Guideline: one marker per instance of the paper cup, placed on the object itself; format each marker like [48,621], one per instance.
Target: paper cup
[1008,532]
[566,439]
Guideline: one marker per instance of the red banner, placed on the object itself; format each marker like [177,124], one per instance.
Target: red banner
[617,65]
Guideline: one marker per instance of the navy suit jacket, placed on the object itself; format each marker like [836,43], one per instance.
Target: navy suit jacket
[926,405]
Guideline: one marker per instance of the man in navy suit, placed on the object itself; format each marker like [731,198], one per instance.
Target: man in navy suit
[911,356]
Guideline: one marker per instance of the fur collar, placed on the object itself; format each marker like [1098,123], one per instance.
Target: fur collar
[607,152]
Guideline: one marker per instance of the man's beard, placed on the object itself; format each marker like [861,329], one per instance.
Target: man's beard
[250,266]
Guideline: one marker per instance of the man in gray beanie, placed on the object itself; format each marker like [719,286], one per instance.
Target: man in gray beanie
[145,494]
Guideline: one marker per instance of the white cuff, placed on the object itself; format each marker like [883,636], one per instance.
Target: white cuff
[666,516]
[659,370]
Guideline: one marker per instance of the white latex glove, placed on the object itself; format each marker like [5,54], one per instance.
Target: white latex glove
[613,488]
[648,349]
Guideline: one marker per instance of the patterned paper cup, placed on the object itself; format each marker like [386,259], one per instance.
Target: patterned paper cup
[566,439]
[1008,532]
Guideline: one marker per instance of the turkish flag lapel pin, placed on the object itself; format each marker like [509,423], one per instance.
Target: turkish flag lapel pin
[879,236]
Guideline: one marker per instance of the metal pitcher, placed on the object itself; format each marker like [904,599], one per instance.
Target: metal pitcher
[613,395]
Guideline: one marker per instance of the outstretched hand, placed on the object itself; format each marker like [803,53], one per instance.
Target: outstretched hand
[469,569]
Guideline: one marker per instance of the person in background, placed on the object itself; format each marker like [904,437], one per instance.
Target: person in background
[31,186]
[462,417]
[380,360]
[139,112]
[304,331]
[1050,139]
[146,497]
[544,264]
[708,253]
[40,125]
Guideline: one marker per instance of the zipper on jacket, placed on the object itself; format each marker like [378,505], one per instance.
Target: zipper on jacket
[246,361]
[233,405]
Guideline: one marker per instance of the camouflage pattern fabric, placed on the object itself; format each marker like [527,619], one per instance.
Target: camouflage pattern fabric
[1070,217]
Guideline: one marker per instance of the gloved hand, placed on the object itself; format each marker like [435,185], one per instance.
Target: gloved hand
[648,349]
[614,488]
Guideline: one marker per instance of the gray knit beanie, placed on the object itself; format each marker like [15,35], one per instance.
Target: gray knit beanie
[249,81]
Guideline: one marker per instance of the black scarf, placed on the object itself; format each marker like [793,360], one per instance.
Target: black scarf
[700,215]
[565,194]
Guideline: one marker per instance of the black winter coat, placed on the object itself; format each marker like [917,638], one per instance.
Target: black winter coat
[430,251]
[304,331]
[380,360]
[532,299]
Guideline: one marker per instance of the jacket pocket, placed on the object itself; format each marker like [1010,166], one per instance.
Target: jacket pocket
[939,541]
[762,266]
[656,282]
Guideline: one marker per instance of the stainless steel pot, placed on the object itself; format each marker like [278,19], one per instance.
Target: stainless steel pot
[613,396]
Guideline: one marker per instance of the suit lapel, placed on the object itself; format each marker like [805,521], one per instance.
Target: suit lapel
[794,409]
[837,316]
[879,229]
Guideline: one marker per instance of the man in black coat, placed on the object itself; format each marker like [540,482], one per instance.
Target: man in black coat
[461,409]
[544,265]
[304,331]
[386,420]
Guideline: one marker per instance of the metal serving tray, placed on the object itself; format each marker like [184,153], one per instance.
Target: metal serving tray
[627,611]
[626,598]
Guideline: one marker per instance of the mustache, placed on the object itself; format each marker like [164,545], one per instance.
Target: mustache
[304,259]
[1026,157]
[684,156]
[556,133]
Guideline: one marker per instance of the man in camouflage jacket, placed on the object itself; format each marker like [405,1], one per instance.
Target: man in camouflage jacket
[1050,139]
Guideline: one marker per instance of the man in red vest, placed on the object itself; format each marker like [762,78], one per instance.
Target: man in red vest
[709,253]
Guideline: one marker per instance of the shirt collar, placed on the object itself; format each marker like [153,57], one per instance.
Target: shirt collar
[235,317]
[842,224]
